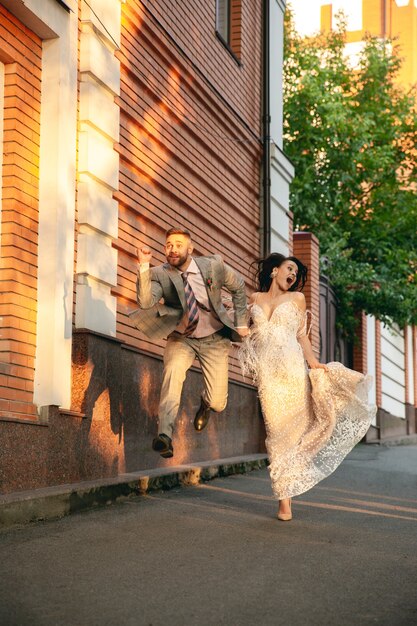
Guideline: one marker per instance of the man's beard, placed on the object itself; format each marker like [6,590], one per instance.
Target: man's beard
[177,261]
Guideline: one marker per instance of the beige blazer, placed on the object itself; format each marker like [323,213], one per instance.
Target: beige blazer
[164,283]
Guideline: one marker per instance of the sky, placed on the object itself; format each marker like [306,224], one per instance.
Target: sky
[307,13]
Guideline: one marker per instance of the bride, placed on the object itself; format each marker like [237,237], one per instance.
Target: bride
[313,417]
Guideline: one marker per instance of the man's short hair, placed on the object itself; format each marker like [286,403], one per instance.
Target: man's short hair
[177,231]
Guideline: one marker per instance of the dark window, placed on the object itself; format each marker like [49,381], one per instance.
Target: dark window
[64,5]
[229,25]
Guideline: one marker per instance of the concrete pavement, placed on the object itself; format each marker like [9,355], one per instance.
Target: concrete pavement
[214,554]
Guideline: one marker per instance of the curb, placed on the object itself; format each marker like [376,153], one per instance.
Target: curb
[406,440]
[400,440]
[56,502]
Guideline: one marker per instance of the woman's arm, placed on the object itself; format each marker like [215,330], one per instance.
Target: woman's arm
[303,339]
[312,361]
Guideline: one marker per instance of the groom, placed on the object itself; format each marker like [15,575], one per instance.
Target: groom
[195,322]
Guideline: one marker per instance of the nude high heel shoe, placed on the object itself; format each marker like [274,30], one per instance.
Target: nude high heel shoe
[285,517]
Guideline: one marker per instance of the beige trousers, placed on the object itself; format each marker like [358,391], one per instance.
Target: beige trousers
[180,352]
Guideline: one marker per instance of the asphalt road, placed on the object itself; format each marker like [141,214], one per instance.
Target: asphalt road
[216,555]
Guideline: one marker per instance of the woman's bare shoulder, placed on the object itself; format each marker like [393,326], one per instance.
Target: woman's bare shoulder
[253,297]
[299,299]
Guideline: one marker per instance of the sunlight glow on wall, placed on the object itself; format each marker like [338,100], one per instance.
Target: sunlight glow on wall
[352,10]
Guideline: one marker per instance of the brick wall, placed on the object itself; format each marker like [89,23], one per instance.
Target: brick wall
[360,362]
[188,148]
[306,248]
[20,51]
[290,233]
[414,344]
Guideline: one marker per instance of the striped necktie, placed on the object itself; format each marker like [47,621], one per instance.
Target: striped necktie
[191,305]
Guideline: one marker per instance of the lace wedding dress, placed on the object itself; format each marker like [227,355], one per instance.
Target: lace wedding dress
[313,418]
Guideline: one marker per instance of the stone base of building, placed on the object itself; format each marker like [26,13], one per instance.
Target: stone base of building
[390,427]
[113,419]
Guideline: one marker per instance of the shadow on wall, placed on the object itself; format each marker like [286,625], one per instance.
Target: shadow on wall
[117,389]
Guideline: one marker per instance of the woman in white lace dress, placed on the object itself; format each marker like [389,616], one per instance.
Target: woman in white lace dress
[313,417]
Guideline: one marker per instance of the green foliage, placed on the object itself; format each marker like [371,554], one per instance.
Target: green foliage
[351,134]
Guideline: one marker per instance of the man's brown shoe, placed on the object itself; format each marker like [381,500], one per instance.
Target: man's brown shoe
[202,416]
[163,444]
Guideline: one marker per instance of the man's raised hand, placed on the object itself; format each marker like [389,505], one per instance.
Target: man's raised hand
[144,254]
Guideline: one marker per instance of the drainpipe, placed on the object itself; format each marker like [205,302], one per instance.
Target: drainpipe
[266,133]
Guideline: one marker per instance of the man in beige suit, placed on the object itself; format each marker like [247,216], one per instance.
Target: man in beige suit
[195,322]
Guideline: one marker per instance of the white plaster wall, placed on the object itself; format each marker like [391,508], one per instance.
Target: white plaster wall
[410,363]
[98,158]
[105,17]
[57,174]
[98,108]
[393,371]
[96,307]
[98,59]
[96,269]
[96,207]
[282,172]
[96,257]
[277,10]
[371,359]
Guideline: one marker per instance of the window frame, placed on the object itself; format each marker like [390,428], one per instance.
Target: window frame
[220,37]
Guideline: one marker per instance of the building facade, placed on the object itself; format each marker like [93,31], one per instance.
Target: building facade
[391,19]
[388,354]
[118,120]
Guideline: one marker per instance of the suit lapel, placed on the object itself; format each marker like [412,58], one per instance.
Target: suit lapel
[206,269]
[177,281]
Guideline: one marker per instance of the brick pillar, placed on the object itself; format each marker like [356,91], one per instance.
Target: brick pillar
[360,360]
[306,248]
[290,233]
[378,371]
[415,364]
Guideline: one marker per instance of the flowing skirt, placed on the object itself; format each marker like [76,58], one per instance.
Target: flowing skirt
[313,419]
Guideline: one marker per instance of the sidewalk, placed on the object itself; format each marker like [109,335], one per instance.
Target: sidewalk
[214,554]
[54,502]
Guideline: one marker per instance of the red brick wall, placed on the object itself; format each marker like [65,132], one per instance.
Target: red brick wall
[415,365]
[306,248]
[21,51]
[236,27]
[184,101]
[290,233]
[360,358]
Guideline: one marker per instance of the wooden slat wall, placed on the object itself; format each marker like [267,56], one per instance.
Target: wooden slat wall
[183,106]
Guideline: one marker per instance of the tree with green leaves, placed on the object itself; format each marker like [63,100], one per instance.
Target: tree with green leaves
[351,132]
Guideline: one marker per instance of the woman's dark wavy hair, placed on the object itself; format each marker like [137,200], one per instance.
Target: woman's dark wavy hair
[265,267]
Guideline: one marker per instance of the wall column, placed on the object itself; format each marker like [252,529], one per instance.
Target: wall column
[57,172]
[306,248]
[96,269]
[360,361]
